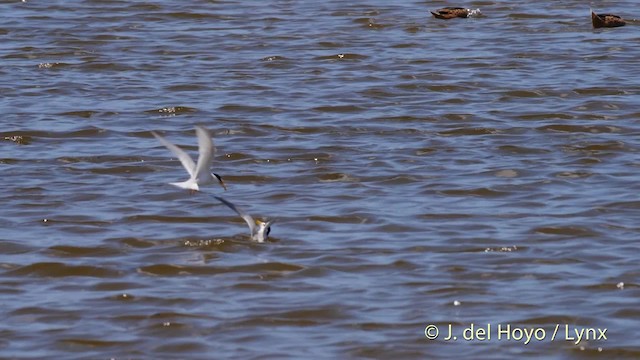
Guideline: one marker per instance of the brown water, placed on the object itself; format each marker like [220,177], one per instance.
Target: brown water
[422,172]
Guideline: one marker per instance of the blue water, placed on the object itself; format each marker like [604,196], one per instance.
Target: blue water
[421,172]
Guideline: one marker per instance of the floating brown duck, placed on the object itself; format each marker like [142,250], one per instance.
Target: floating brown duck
[454,12]
[606,20]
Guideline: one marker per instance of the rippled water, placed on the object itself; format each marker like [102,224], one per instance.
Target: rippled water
[421,172]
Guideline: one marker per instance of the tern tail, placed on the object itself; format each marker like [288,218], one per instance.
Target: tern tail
[187,185]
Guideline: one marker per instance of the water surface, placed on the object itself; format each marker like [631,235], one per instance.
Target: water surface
[421,172]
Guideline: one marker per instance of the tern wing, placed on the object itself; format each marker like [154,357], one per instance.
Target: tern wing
[207,151]
[184,158]
[245,216]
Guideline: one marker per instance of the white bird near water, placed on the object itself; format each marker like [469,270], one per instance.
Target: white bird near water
[259,229]
[199,174]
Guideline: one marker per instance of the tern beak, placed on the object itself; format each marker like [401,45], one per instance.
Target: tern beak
[220,181]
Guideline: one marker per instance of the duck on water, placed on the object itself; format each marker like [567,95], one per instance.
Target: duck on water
[606,20]
[454,12]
